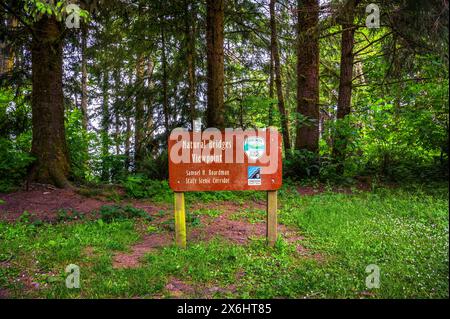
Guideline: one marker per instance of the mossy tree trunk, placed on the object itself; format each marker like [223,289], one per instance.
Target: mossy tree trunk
[49,146]
[277,68]
[139,114]
[308,76]
[84,76]
[105,125]
[215,63]
[345,80]
[190,58]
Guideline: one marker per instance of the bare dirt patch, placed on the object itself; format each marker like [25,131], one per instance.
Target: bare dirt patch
[89,251]
[44,202]
[229,206]
[4,294]
[240,232]
[176,288]
[316,190]
[150,242]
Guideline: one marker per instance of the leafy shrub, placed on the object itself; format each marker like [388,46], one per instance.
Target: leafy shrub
[208,212]
[156,168]
[79,141]
[13,164]
[300,164]
[30,219]
[64,215]
[138,186]
[114,212]
[192,219]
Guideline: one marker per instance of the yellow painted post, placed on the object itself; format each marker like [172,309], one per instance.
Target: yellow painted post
[272,217]
[180,220]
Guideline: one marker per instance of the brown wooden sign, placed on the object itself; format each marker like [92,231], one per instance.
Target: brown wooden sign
[214,160]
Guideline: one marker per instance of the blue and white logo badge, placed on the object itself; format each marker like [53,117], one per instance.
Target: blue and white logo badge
[254,147]
[254,175]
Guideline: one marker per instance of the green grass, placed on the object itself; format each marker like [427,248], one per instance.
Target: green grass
[207,212]
[251,215]
[403,231]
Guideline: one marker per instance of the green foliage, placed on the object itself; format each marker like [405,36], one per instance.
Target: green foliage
[78,142]
[255,112]
[300,164]
[13,164]
[251,215]
[156,167]
[60,9]
[397,129]
[341,166]
[64,215]
[192,219]
[15,118]
[15,140]
[398,145]
[116,213]
[138,186]
[208,212]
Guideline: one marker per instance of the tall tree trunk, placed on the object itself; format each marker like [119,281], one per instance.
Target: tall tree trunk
[117,112]
[271,88]
[149,121]
[215,61]
[105,126]
[84,75]
[190,58]
[117,132]
[128,130]
[139,115]
[276,61]
[346,77]
[128,143]
[346,70]
[49,146]
[165,83]
[308,75]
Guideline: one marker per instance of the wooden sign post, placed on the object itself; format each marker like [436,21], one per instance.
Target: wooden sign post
[233,160]
[272,207]
[180,220]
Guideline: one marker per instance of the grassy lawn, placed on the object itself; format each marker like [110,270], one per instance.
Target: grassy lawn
[402,231]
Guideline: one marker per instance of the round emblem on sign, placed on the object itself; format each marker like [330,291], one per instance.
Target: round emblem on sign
[254,147]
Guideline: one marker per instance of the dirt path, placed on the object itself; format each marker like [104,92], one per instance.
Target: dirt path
[4,294]
[176,288]
[227,226]
[45,202]
[229,223]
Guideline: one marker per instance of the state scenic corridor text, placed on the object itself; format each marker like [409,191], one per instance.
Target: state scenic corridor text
[226,309]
